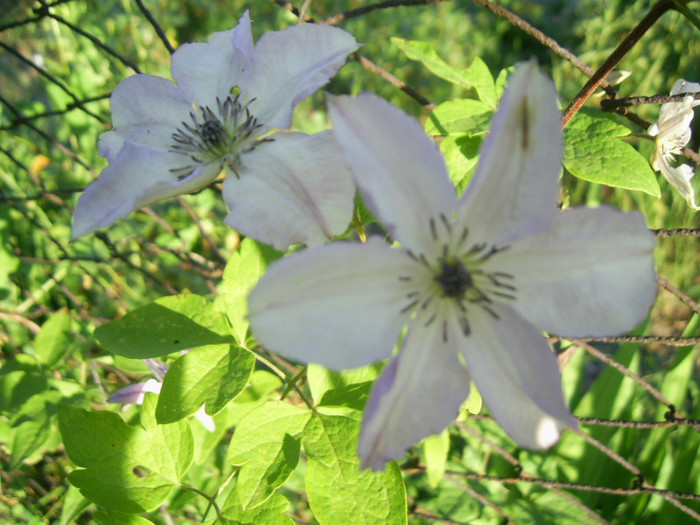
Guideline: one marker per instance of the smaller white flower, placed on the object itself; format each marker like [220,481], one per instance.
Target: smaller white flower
[672,133]
[136,393]
[170,139]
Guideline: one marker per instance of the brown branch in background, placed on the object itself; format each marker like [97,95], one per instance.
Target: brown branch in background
[202,231]
[545,40]
[644,339]
[684,298]
[156,26]
[385,75]
[671,421]
[48,76]
[353,13]
[611,104]
[676,232]
[96,41]
[624,371]
[615,57]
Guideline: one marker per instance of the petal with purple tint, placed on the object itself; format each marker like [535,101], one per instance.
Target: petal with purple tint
[339,305]
[570,279]
[294,189]
[398,169]
[290,65]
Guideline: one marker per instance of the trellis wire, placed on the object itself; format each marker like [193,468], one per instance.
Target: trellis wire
[128,259]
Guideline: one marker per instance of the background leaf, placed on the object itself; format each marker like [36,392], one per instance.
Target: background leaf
[213,375]
[167,325]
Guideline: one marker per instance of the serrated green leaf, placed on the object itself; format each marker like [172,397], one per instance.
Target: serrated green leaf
[74,504]
[266,446]
[593,152]
[338,491]
[54,340]
[271,512]
[129,469]
[348,388]
[476,76]
[436,448]
[167,325]
[461,117]
[242,272]
[211,375]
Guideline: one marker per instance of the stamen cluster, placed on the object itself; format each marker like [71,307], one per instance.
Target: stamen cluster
[215,136]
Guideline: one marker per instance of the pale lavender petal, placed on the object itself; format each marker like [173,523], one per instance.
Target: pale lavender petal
[514,190]
[418,394]
[400,172]
[290,65]
[207,70]
[294,189]
[591,274]
[137,177]
[338,305]
[135,393]
[517,375]
[146,101]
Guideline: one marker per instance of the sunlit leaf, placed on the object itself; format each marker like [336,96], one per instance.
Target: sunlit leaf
[125,468]
[266,445]
[338,491]
[243,271]
[594,151]
[167,325]
[213,375]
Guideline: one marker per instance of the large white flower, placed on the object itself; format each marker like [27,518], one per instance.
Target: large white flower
[169,139]
[672,133]
[474,279]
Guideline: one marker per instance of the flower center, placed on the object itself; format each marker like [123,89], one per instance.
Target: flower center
[216,136]
[454,278]
[459,274]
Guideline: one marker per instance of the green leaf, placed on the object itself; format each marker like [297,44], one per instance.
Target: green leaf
[271,512]
[338,491]
[462,117]
[125,468]
[266,446]
[32,426]
[54,340]
[212,374]
[349,388]
[594,152]
[461,155]
[476,76]
[242,273]
[436,448]
[170,324]
[120,518]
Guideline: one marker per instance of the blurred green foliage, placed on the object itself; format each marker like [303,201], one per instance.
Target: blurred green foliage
[54,294]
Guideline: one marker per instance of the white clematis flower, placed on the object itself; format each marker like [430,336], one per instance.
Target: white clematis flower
[672,133]
[475,279]
[168,139]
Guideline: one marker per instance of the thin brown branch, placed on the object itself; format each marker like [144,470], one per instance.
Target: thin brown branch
[360,11]
[614,59]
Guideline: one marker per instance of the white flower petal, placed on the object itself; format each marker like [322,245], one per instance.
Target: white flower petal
[518,376]
[591,274]
[679,178]
[290,65]
[147,100]
[400,172]
[418,394]
[338,305]
[207,70]
[514,190]
[137,177]
[296,188]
